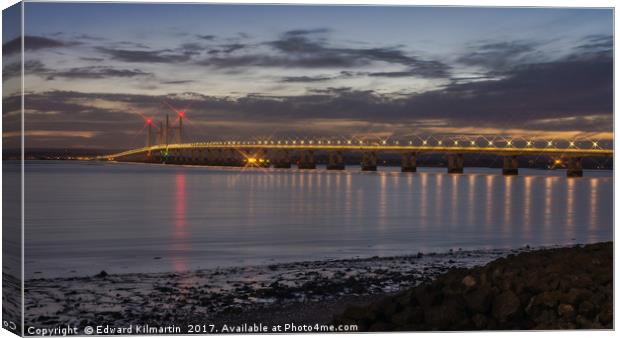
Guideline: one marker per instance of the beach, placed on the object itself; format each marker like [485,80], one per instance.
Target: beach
[312,292]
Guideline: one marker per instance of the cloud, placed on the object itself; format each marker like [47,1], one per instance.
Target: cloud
[306,78]
[99,72]
[594,46]
[177,81]
[302,49]
[497,55]
[92,59]
[206,37]
[36,67]
[32,43]
[14,69]
[146,56]
[298,32]
[570,96]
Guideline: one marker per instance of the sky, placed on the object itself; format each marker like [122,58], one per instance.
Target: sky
[93,71]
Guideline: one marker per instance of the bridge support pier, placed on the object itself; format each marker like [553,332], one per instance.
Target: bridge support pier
[202,156]
[575,167]
[218,157]
[336,161]
[369,161]
[263,160]
[455,163]
[306,160]
[173,156]
[195,156]
[409,163]
[182,156]
[511,165]
[236,159]
[281,159]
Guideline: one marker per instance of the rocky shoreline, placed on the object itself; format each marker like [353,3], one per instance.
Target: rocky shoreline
[562,288]
[458,290]
[236,294]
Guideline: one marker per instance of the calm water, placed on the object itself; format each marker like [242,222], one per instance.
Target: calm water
[85,217]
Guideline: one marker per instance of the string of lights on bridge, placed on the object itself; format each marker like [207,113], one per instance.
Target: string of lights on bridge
[428,142]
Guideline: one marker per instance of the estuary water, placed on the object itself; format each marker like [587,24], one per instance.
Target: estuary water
[84,217]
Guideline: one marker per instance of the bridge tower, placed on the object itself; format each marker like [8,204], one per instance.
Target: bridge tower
[181,115]
[160,133]
[167,130]
[149,134]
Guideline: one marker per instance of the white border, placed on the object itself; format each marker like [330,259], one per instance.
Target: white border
[481,3]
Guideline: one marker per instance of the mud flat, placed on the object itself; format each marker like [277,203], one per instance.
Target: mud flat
[312,291]
[561,288]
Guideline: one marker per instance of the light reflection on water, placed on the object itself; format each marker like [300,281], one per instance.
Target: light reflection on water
[119,217]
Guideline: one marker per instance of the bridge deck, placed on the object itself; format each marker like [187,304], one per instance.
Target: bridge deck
[550,151]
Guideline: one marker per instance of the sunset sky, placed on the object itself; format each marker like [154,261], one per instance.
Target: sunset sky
[246,71]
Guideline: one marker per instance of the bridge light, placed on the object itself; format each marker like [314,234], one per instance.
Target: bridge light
[384,142]
[473,143]
[549,144]
[456,143]
[571,144]
[310,142]
[329,142]
[302,141]
[361,142]
[149,121]
[294,141]
[509,143]
[423,142]
[396,142]
[439,143]
[594,144]
[348,141]
[529,143]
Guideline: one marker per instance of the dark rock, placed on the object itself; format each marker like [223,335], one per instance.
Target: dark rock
[101,274]
[408,316]
[586,309]
[478,300]
[469,281]
[447,315]
[506,306]
[565,288]
[480,321]
[566,311]
[355,312]
[606,315]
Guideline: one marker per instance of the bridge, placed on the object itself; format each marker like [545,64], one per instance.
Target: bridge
[170,149]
